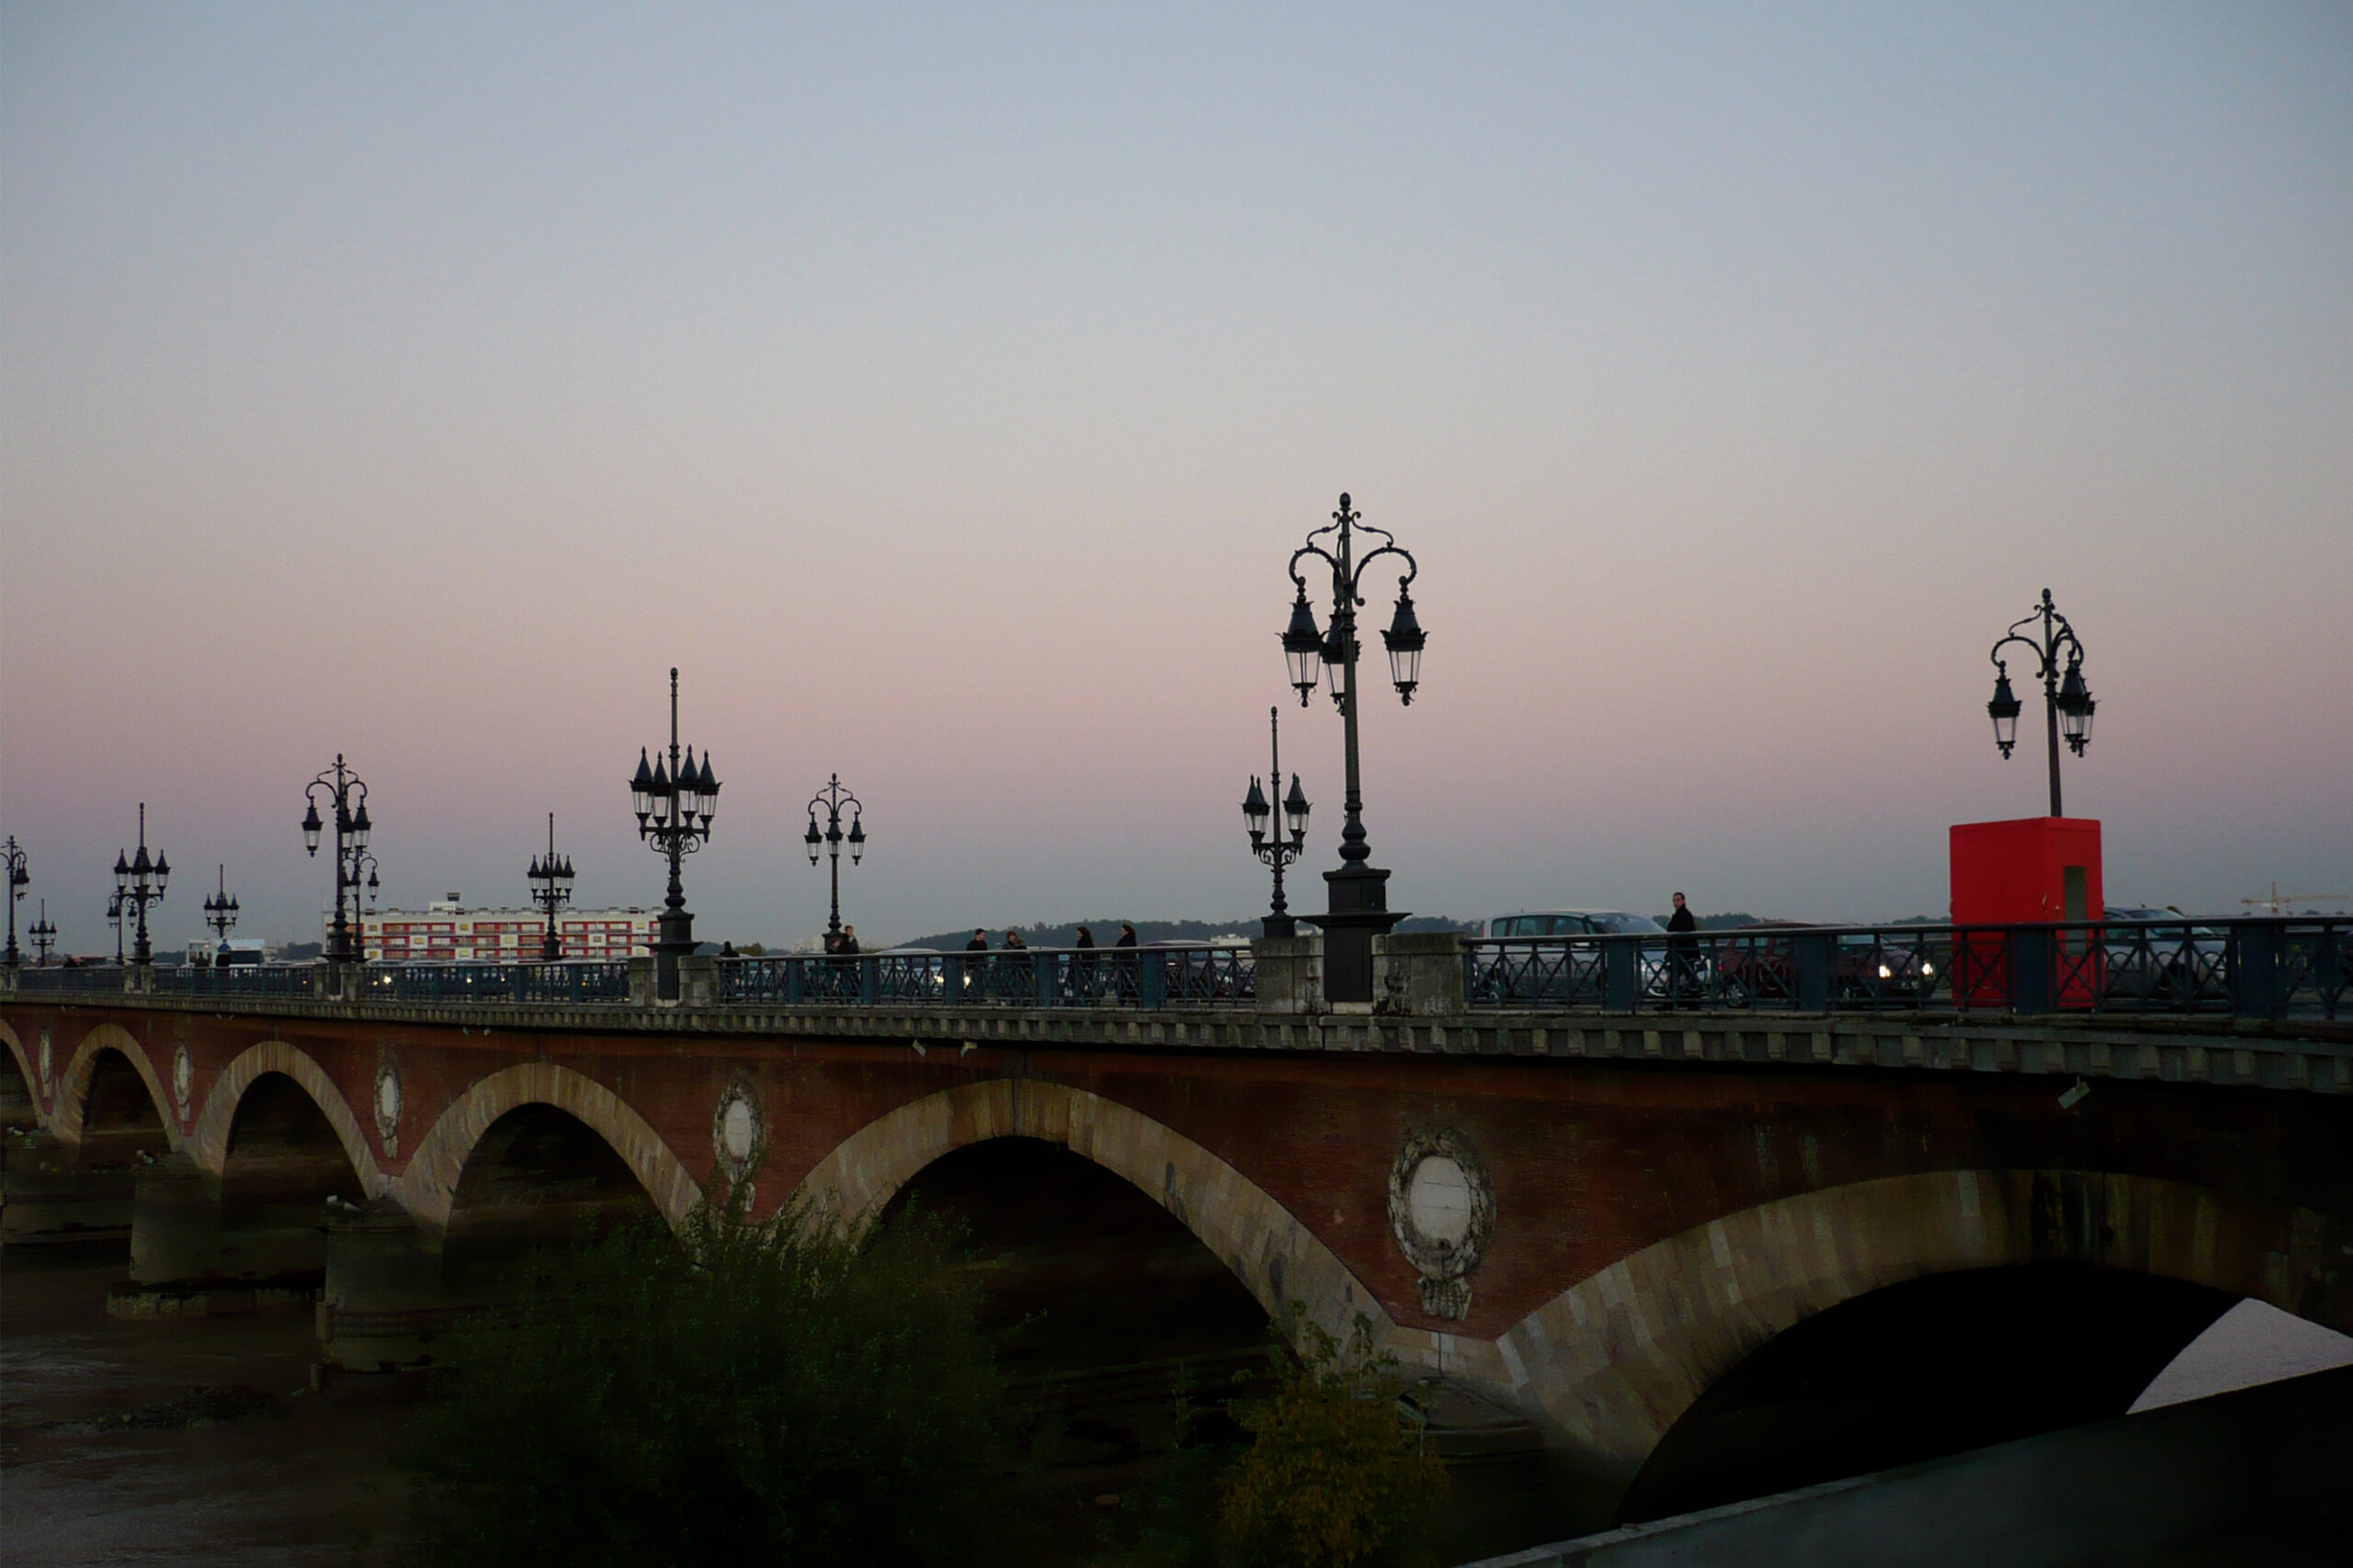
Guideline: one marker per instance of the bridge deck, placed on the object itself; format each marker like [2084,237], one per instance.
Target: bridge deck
[2312,1054]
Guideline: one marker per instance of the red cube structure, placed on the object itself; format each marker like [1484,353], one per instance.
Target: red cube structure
[2030,870]
[2008,873]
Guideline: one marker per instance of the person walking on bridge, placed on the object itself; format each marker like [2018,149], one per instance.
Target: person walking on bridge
[1683,948]
[971,972]
[1126,960]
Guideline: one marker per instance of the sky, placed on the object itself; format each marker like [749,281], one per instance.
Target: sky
[943,389]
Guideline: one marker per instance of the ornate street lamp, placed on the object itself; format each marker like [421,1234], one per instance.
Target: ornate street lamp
[347,794]
[44,934]
[139,883]
[550,890]
[2067,702]
[1280,847]
[833,797]
[220,914]
[673,801]
[1357,890]
[12,859]
[114,918]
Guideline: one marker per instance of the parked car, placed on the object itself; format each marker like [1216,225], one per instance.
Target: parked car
[2161,955]
[1572,972]
[1758,962]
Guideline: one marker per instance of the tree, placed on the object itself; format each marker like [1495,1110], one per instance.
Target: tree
[1332,1473]
[741,1392]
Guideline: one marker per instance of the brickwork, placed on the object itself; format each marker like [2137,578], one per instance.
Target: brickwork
[1656,1212]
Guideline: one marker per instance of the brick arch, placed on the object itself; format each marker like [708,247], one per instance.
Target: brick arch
[208,1142]
[1614,1360]
[429,1185]
[28,1067]
[72,1102]
[1277,1258]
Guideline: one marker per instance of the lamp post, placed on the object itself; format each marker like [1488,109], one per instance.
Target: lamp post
[1278,848]
[2067,702]
[1357,890]
[348,795]
[13,859]
[550,890]
[114,918]
[140,881]
[220,914]
[833,797]
[673,801]
[44,935]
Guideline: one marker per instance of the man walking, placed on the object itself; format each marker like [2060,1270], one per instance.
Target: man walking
[1683,948]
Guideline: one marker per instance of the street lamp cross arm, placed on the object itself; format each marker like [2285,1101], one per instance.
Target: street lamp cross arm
[2042,660]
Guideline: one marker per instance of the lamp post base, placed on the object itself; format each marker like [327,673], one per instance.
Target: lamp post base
[1279,926]
[1360,911]
[674,940]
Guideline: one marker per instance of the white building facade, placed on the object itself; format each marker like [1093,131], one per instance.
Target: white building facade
[446,931]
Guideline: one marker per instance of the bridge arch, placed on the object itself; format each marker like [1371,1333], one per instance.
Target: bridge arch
[26,1071]
[70,1106]
[208,1142]
[1277,1258]
[429,1185]
[1616,1360]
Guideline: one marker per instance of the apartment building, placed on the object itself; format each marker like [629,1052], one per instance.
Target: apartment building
[446,931]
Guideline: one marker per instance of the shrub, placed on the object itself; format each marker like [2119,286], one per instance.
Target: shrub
[1332,1473]
[740,1392]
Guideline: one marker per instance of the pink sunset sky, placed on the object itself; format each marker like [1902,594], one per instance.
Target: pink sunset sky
[943,389]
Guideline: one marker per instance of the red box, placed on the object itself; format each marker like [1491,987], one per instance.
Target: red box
[2032,870]
[2036,869]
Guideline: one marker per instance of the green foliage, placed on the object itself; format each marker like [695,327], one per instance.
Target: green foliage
[769,1392]
[1333,1473]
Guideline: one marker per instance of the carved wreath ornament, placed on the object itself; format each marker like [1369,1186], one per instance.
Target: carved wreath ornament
[739,1133]
[1442,1208]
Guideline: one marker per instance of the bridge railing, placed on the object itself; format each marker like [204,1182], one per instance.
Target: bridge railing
[1165,976]
[242,980]
[2257,968]
[595,981]
[2248,969]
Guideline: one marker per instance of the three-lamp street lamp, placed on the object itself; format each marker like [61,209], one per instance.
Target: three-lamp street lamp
[550,890]
[13,867]
[833,797]
[220,914]
[1288,841]
[1357,890]
[673,801]
[347,794]
[138,882]
[2067,702]
[43,932]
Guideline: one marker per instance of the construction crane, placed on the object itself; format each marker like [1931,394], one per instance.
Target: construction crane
[2276,901]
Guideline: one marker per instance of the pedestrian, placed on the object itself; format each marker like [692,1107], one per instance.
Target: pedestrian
[1082,966]
[849,948]
[1013,941]
[1683,947]
[979,942]
[1127,963]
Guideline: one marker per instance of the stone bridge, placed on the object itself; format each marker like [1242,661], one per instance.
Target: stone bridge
[1589,1220]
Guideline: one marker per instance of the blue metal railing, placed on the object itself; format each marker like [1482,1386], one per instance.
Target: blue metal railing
[604,980]
[2244,969]
[2259,969]
[1169,975]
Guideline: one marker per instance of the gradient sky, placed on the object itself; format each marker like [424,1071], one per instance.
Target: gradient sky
[943,389]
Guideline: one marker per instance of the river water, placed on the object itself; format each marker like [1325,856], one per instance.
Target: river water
[291,1480]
